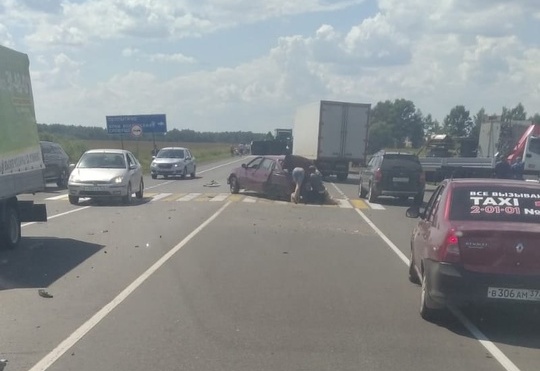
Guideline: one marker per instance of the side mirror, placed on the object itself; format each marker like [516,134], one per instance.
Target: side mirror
[71,167]
[244,166]
[413,212]
[153,157]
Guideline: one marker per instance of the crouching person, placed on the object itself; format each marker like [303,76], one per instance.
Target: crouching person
[316,191]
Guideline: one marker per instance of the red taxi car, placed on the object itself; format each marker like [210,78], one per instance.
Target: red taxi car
[268,175]
[477,241]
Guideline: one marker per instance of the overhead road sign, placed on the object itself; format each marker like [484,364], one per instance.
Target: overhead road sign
[147,124]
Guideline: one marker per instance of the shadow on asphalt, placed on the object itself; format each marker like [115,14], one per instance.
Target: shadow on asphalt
[517,326]
[38,262]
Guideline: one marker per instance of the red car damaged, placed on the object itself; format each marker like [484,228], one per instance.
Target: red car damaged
[477,241]
[268,175]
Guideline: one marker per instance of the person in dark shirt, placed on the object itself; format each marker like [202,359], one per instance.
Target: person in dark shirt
[503,170]
[517,168]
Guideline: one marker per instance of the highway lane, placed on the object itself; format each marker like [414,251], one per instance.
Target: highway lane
[306,288]
[515,332]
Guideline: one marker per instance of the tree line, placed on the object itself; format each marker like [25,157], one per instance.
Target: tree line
[393,124]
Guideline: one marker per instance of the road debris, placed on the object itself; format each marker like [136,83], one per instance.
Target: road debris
[212,183]
[44,294]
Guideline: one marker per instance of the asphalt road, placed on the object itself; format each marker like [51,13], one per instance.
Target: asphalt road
[192,278]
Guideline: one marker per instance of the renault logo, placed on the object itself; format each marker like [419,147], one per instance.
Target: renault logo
[520,248]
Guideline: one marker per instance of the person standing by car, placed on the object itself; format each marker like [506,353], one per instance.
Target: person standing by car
[298,175]
[503,170]
[517,168]
[316,191]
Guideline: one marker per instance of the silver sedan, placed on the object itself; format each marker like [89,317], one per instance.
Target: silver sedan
[106,173]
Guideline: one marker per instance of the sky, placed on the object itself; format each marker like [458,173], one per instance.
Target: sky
[228,65]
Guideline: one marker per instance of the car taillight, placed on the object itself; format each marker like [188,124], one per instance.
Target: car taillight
[378,175]
[449,251]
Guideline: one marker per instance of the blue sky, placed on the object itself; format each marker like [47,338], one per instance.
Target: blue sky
[217,65]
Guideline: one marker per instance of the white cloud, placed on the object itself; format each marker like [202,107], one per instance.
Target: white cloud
[437,54]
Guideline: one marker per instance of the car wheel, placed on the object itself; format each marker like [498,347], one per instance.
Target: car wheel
[193,172]
[428,309]
[10,232]
[413,274]
[62,179]
[127,198]
[234,185]
[140,193]
[371,196]
[361,191]
[74,200]
[154,176]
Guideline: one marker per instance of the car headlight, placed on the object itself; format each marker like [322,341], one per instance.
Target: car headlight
[177,164]
[74,178]
[153,164]
[118,179]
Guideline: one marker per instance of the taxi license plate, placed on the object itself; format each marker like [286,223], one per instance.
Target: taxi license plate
[400,180]
[513,294]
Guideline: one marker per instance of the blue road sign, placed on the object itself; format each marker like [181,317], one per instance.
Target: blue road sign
[148,123]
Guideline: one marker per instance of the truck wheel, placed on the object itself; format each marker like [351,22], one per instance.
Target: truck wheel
[194,171]
[154,176]
[10,234]
[342,176]
[74,200]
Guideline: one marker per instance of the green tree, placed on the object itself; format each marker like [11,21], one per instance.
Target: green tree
[458,122]
[431,126]
[380,136]
[478,119]
[536,118]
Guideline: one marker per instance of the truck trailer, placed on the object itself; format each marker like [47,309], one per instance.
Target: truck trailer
[21,162]
[332,134]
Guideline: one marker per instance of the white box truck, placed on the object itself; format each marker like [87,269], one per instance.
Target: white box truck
[21,162]
[332,134]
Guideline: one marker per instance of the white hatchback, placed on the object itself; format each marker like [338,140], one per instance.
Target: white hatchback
[106,173]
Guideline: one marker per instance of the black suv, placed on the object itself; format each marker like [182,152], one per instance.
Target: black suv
[56,163]
[396,174]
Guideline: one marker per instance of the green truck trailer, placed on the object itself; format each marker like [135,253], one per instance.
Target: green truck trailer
[21,162]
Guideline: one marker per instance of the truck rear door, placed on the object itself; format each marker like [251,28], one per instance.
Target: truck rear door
[355,132]
[331,130]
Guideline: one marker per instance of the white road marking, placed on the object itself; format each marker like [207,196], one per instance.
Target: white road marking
[340,191]
[72,339]
[249,199]
[375,206]
[220,197]
[159,196]
[189,197]
[475,331]
[65,195]
[344,204]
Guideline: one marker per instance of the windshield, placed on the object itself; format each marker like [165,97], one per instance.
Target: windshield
[496,204]
[171,153]
[102,160]
[534,145]
[407,161]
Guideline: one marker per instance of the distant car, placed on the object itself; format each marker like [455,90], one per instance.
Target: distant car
[56,163]
[477,242]
[106,173]
[173,161]
[269,175]
[395,174]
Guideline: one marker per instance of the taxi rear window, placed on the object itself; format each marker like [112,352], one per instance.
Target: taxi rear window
[497,204]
